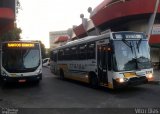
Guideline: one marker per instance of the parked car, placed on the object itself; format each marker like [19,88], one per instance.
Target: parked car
[46,62]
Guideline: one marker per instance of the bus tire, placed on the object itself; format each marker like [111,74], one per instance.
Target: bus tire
[94,83]
[61,74]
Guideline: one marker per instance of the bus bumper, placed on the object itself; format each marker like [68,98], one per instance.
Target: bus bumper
[131,82]
[22,79]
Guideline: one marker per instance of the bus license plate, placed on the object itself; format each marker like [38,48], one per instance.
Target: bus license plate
[21,81]
[13,75]
[130,74]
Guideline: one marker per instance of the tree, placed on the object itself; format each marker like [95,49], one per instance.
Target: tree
[47,52]
[43,50]
[18,6]
[11,35]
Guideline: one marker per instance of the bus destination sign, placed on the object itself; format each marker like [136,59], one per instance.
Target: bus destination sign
[134,36]
[128,36]
[17,45]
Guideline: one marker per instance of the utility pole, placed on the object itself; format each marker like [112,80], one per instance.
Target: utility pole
[152,19]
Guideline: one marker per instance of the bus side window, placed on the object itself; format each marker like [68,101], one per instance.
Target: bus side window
[91,50]
[60,55]
[78,52]
[69,53]
[51,55]
[73,53]
[66,54]
[55,57]
[82,52]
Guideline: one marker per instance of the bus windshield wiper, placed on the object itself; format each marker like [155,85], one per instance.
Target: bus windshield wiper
[128,44]
[138,44]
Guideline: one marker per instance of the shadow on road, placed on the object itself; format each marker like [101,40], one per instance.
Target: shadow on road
[18,85]
[134,89]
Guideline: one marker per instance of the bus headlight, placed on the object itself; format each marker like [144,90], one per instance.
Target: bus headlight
[120,80]
[149,75]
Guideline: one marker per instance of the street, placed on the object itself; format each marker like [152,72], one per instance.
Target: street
[55,93]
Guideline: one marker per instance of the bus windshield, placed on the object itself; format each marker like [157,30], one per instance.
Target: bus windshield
[18,60]
[131,55]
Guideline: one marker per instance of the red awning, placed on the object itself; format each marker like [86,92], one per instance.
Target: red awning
[61,39]
[154,39]
[129,8]
[79,30]
[7,13]
[102,5]
[7,17]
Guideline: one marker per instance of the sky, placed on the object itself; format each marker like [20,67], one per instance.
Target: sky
[37,18]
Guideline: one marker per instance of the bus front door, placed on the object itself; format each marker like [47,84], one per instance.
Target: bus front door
[102,64]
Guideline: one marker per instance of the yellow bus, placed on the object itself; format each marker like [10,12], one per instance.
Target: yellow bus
[113,60]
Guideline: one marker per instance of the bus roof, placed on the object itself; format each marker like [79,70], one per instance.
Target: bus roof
[92,38]
[85,39]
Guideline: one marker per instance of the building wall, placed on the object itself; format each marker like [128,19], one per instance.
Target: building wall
[139,25]
[8,4]
[7,15]
[53,35]
[155,57]
[155,52]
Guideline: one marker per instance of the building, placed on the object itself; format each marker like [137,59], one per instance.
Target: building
[58,38]
[7,15]
[123,15]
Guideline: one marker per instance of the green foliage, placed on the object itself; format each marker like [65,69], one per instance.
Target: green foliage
[11,35]
[43,50]
[47,52]
[18,6]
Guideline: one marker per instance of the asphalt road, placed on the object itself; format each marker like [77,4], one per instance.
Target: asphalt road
[55,93]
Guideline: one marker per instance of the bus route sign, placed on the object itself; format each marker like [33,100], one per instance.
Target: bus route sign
[10,45]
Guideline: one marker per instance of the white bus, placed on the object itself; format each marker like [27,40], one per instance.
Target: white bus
[21,61]
[113,60]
